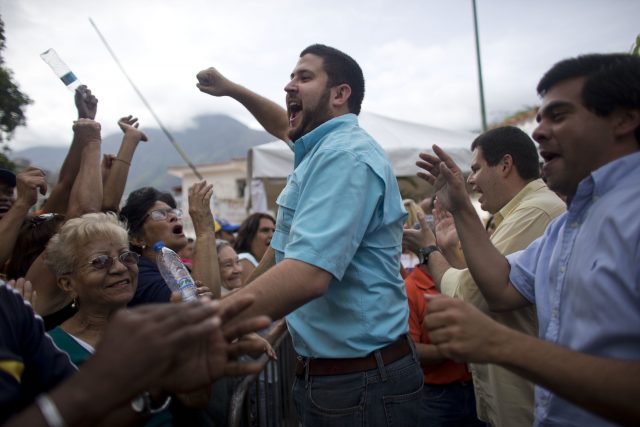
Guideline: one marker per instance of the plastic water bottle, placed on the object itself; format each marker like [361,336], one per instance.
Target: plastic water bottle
[174,273]
[61,69]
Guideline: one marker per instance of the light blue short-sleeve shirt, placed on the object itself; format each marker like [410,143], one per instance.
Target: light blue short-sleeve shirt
[341,211]
[583,275]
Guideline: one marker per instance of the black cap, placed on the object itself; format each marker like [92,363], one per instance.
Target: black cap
[8,177]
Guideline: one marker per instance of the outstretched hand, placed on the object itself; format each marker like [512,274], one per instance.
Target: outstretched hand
[28,182]
[86,103]
[211,81]
[25,289]
[200,195]
[129,126]
[461,331]
[446,233]
[446,177]
[414,240]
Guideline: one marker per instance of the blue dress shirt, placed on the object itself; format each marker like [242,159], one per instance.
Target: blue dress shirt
[341,211]
[583,275]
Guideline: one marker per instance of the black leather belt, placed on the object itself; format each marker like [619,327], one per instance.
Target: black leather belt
[390,354]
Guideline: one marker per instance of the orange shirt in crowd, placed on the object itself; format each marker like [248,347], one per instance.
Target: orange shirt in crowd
[417,284]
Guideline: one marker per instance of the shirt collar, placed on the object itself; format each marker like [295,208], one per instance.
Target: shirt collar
[531,187]
[605,178]
[306,143]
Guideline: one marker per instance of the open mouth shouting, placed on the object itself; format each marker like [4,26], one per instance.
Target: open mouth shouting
[550,158]
[177,230]
[294,109]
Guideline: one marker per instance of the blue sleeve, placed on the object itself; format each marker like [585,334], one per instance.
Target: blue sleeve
[333,211]
[523,269]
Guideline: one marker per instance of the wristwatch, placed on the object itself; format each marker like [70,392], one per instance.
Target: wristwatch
[423,253]
[142,404]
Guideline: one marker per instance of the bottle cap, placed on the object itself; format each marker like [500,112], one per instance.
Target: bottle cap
[157,246]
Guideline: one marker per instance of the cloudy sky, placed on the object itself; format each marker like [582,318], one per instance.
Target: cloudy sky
[418,56]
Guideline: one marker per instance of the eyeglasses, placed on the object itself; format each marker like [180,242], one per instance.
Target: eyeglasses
[102,262]
[162,214]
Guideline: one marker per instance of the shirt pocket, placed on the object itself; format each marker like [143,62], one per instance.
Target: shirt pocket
[287,203]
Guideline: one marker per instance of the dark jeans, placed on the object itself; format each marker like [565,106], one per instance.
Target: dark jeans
[387,396]
[449,405]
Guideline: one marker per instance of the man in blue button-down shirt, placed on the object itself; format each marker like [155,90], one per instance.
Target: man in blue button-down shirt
[583,274]
[336,251]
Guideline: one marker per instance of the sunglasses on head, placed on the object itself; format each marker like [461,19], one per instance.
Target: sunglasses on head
[102,262]
[162,214]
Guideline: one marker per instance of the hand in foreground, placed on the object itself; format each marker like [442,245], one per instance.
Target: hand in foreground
[28,182]
[414,240]
[212,82]
[446,178]
[25,289]
[87,130]
[86,103]
[461,331]
[176,347]
[199,207]
[129,126]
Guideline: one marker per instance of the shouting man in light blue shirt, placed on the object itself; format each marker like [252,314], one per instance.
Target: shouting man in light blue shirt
[583,274]
[336,250]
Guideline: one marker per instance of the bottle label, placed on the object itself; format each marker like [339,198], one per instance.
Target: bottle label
[68,78]
[185,283]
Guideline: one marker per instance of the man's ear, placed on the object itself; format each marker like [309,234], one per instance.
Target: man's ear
[626,121]
[340,96]
[506,165]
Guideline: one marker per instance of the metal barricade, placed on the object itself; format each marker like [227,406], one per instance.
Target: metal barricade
[264,399]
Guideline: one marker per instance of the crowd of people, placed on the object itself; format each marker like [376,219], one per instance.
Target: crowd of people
[531,319]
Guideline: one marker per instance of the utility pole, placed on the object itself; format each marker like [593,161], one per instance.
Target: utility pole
[482,107]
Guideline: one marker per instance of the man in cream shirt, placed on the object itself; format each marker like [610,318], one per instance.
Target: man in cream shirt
[505,174]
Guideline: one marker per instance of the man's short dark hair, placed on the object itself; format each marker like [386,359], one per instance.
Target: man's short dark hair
[498,142]
[612,81]
[341,68]
[8,177]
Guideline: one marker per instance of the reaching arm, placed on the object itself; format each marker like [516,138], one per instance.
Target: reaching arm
[205,263]
[270,115]
[489,268]
[268,260]
[447,237]
[414,240]
[58,200]
[28,183]
[118,169]
[283,288]
[86,193]
[463,333]
[85,197]
[174,347]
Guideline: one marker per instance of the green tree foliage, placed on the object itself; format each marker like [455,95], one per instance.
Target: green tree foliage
[635,50]
[12,105]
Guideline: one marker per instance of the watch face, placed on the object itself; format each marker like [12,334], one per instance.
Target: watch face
[137,404]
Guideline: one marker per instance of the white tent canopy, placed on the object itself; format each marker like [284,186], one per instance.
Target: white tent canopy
[401,140]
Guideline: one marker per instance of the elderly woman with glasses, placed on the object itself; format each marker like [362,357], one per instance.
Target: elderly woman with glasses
[92,262]
[152,216]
